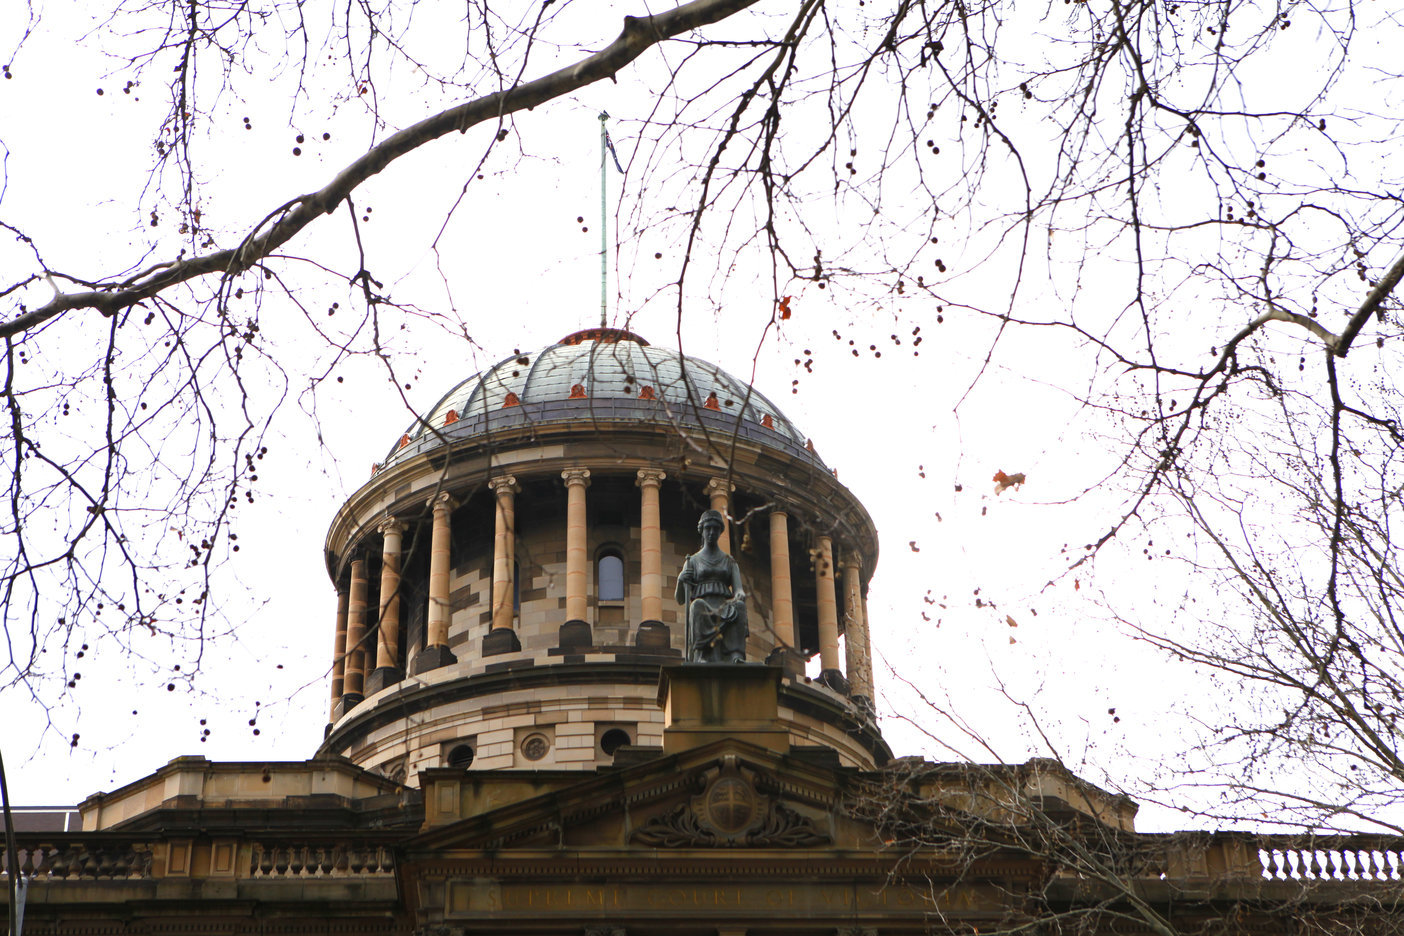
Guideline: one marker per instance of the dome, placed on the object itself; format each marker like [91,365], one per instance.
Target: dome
[510,581]
[603,374]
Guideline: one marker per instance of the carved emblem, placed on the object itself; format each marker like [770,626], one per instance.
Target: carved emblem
[730,805]
[728,813]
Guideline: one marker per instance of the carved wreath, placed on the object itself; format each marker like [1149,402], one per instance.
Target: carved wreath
[730,813]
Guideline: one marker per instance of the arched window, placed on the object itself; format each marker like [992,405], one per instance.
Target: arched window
[609,576]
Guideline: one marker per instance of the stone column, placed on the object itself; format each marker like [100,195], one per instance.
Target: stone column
[855,629]
[823,555]
[354,689]
[575,632]
[782,603]
[338,680]
[387,658]
[436,651]
[867,653]
[501,638]
[652,631]
[719,491]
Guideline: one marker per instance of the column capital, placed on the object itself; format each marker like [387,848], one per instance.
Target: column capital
[442,501]
[719,486]
[649,477]
[574,476]
[504,484]
[391,526]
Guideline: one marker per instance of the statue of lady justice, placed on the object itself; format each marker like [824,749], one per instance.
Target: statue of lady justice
[709,589]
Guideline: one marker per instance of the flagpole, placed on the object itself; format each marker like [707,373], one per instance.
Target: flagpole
[604,240]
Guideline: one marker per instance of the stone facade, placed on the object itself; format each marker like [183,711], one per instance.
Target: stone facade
[517,748]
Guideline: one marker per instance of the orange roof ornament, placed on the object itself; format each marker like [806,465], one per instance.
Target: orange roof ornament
[451,417]
[712,402]
[646,393]
[404,440]
[511,400]
[577,392]
[767,422]
[602,335]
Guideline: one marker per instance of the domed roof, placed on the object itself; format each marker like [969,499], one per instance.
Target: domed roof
[601,373]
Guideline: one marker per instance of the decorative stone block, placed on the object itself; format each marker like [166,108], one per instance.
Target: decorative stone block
[576,635]
[790,661]
[381,677]
[652,635]
[834,680]
[501,640]
[431,658]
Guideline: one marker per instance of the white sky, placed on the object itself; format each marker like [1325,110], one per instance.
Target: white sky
[522,274]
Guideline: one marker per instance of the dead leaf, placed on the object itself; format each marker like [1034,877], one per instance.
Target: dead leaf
[1005,481]
[1009,619]
[784,308]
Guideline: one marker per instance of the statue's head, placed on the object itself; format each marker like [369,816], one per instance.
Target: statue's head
[713,517]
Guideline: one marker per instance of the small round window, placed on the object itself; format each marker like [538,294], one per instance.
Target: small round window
[460,756]
[535,746]
[614,739]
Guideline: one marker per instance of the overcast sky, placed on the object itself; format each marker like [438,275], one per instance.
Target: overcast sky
[961,606]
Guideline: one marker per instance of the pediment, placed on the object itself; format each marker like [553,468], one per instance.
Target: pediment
[730,795]
[709,835]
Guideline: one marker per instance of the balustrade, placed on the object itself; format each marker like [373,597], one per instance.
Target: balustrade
[89,860]
[79,860]
[1342,858]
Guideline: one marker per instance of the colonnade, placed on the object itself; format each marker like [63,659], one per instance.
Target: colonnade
[363,666]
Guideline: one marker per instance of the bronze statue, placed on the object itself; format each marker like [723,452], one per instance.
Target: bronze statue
[709,589]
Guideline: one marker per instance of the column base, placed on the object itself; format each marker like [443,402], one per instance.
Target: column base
[501,640]
[865,705]
[348,701]
[652,635]
[576,635]
[790,660]
[381,677]
[834,680]
[431,658]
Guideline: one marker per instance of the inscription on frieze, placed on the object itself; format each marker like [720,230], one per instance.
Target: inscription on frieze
[481,899]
